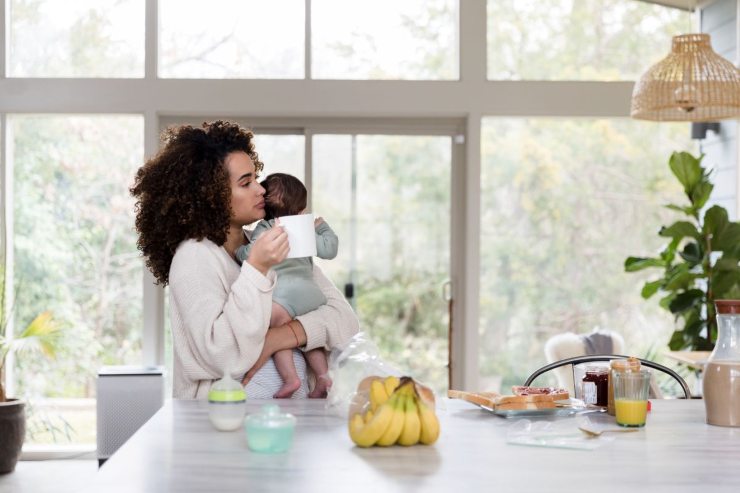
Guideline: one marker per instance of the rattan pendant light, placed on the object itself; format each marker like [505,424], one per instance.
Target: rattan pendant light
[692,83]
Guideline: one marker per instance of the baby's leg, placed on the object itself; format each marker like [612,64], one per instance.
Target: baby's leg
[279,315]
[316,359]
[284,359]
[286,368]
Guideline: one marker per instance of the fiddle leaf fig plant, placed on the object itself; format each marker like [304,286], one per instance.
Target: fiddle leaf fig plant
[700,263]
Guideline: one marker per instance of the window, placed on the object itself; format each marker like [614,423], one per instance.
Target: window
[388,199]
[75,255]
[384,39]
[415,41]
[563,204]
[578,39]
[76,38]
[281,154]
[231,39]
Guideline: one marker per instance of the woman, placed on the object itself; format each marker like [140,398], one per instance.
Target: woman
[193,198]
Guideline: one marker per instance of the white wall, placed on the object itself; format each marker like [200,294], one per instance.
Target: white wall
[720,20]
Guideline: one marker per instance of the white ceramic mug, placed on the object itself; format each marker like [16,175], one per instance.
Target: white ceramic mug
[301,235]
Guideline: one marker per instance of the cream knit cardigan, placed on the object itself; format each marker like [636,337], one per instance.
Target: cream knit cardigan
[220,313]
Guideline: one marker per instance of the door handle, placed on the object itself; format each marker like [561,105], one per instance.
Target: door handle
[447,290]
[349,290]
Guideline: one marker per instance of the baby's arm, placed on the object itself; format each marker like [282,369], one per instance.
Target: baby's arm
[242,253]
[327,243]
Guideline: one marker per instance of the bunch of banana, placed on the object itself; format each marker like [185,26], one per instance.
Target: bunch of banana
[397,415]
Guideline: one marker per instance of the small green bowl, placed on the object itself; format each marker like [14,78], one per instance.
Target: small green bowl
[270,431]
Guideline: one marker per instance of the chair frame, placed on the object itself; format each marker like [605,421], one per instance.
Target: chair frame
[607,357]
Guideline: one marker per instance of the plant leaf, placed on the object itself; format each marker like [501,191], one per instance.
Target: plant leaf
[666,301]
[633,264]
[725,283]
[42,334]
[694,327]
[689,211]
[727,262]
[700,194]
[669,252]
[692,253]
[725,234]
[682,279]
[686,300]
[687,169]
[680,229]
[677,341]
[650,288]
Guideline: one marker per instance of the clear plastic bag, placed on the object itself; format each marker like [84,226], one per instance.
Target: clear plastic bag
[555,434]
[354,363]
[359,359]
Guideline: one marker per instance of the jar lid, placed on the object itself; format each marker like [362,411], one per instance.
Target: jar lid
[271,417]
[226,390]
[726,307]
[624,364]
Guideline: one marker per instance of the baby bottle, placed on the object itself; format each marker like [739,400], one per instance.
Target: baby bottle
[226,404]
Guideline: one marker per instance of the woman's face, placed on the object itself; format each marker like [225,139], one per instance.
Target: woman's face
[247,195]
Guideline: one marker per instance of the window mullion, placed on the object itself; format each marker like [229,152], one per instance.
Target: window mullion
[307,42]
[151,40]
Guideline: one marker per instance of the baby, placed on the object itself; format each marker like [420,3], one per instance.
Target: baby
[295,292]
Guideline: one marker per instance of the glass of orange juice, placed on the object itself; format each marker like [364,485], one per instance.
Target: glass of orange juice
[630,397]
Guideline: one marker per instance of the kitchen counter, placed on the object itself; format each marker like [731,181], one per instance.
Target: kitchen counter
[178,451]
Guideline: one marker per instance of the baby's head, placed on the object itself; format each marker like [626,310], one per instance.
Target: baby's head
[285,195]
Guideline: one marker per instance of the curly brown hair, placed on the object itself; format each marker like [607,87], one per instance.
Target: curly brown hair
[183,192]
[285,195]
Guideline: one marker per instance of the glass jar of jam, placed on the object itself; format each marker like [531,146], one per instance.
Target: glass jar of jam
[595,385]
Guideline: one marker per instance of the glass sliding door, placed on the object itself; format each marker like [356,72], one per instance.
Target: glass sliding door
[75,257]
[388,199]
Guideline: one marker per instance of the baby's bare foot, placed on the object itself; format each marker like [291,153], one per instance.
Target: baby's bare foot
[321,390]
[288,388]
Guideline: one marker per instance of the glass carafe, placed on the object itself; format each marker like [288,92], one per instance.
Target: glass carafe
[722,371]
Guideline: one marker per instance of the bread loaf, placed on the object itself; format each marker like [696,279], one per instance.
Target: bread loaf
[523,398]
[518,406]
[484,399]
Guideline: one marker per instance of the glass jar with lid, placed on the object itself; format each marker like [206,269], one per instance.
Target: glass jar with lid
[721,378]
[595,386]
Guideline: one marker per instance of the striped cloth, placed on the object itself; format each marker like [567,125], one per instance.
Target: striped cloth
[267,381]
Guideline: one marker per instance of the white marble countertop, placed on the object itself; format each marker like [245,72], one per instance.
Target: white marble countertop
[179,451]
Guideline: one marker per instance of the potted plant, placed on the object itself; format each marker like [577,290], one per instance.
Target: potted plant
[40,335]
[699,264]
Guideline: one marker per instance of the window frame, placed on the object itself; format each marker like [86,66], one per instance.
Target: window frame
[321,104]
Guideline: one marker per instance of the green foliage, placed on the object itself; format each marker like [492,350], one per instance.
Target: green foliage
[563,201]
[579,39]
[693,277]
[402,253]
[41,335]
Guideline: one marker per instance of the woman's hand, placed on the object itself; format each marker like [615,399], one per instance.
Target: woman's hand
[269,249]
